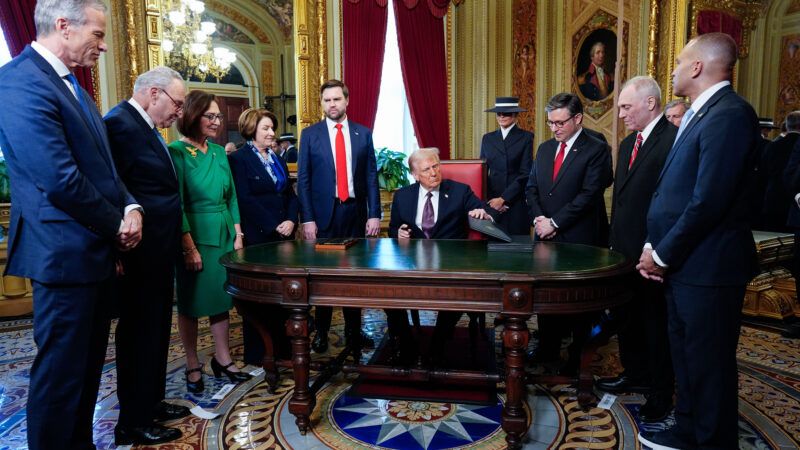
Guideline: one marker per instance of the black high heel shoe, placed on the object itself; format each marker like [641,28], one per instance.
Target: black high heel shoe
[195,387]
[219,369]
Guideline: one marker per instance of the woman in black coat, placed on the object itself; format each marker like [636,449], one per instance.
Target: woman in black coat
[508,153]
[268,208]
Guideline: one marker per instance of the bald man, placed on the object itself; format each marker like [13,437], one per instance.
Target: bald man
[700,245]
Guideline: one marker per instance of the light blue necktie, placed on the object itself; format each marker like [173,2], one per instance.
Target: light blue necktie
[684,122]
[166,149]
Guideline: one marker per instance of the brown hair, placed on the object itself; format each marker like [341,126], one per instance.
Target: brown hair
[332,84]
[250,118]
[195,105]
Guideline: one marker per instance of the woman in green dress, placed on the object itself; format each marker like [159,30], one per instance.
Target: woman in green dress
[210,229]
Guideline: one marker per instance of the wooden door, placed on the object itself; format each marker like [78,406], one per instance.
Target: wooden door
[232,108]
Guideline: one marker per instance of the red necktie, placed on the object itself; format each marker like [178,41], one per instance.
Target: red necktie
[559,160]
[635,151]
[341,166]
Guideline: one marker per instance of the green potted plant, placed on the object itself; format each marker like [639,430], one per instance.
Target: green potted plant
[5,185]
[392,169]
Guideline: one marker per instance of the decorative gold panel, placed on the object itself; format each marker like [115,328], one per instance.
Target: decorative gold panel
[524,80]
[788,78]
[267,78]
[310,41]
[746,10]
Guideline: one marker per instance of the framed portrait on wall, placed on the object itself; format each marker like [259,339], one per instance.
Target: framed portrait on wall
[594,62]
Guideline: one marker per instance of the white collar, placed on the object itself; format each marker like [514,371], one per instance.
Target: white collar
[61,69]
[703,98]
[574,137]
[142,112]
[649,128]
[331,124]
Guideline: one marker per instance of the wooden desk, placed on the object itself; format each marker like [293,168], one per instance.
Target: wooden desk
[435,275]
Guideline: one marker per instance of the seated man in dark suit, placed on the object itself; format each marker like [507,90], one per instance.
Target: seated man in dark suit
[431,208]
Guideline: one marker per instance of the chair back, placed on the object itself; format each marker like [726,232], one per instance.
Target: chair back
[471,172]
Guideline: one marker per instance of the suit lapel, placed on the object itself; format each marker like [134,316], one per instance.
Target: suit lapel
[513,136]
[93,128]
[572,154]
[646,149]
[693,123]
[152,139]
[327,151]
[258,167]
[355,141]
[545,160]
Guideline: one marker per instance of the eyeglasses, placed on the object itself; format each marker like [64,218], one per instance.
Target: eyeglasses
[504,114]
[559,123]
[212,117]
[178,106]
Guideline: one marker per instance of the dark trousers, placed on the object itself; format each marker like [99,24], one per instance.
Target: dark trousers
[704,327]
[643,339]
[347,221]
[70,328]
[553,328]
[142,338]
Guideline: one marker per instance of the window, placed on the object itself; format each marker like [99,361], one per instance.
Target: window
[393,127]
[5,55]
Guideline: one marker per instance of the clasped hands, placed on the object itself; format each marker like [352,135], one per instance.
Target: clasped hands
[648,268]
[372,229]
[130,231]
[498,204]
[544,227]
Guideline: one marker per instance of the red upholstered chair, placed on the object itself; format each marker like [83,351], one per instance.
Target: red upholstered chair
[471,172]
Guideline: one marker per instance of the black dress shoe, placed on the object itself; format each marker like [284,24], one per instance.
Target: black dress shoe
[195,387]
[153,434]
[168,411]
[622,383]
[656,409]
[792,331]
[219,370]
[320,343]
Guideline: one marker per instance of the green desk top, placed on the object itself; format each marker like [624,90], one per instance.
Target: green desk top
[457,256]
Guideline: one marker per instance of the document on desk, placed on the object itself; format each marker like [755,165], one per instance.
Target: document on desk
[488,228]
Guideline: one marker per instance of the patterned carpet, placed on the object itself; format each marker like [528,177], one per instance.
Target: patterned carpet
[252,418]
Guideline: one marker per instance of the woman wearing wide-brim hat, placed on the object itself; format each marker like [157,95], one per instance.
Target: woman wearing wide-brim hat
[508,152]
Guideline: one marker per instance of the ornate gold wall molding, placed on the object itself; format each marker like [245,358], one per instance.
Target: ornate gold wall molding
[310,43]
[240,18]
[652,38]
[524,73]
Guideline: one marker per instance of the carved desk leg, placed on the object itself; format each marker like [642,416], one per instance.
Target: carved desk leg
[303,401]
[250,313]
[515,341]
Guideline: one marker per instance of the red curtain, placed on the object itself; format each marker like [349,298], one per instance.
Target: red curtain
[717,21]
[16,18]
[363,42]
[423,60]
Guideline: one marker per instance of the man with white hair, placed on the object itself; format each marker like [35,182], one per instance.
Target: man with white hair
[643,342]
[146,286]
[70,210]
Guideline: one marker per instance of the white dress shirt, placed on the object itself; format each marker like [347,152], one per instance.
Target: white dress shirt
[570,142]
[505,131]
[423,197]
[348,151]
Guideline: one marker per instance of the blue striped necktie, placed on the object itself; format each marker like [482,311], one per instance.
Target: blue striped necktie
[84,106]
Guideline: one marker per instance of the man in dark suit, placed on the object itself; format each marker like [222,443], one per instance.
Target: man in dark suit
[778,200]
[508,153]
[699,242]
[643,342]
[431,208]
[70,211]
[337,185]
[146,287]
[791,182]
[288,150]
[565,196]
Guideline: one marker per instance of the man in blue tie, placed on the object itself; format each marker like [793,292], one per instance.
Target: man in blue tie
[71,214]
[145,289]
[700,245]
